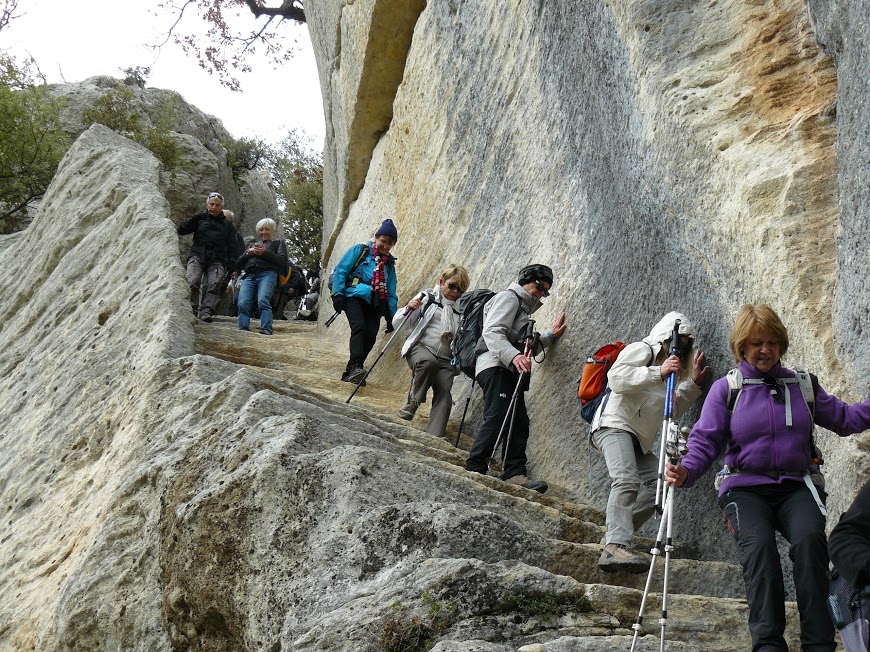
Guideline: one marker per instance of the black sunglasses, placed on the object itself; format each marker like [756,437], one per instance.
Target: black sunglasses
[455,288]
[540,286]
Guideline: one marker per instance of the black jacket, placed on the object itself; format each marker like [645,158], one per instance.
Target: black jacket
[214,238]
[849,543]
[273,260]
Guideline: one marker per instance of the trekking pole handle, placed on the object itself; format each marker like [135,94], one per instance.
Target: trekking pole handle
[675,340]
[671,379]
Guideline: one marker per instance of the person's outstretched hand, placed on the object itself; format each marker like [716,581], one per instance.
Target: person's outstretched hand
[559,326]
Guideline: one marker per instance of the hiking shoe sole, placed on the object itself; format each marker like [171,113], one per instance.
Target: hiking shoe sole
[609,563]
[536,485]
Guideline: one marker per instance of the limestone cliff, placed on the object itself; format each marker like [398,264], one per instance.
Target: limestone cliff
[168,485]
[171,486]
[658,156]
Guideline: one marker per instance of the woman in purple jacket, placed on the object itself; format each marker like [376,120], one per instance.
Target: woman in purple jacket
[767,439]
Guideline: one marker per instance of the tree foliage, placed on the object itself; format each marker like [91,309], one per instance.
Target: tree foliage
[297,172]
[32,142]
[246,154]
[228,42]
[115,109]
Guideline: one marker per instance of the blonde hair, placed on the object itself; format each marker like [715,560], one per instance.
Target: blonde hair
[459,271]
[759,316]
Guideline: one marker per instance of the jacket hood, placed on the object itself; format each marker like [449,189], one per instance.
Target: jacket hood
[530,303]
[663,330]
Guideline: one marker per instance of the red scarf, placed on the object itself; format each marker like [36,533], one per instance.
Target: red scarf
[379,276]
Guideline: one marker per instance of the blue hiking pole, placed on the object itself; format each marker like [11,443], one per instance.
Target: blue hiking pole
[661,486]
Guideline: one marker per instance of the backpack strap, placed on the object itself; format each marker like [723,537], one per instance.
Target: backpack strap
[736,381]
[809,385]
[430,301]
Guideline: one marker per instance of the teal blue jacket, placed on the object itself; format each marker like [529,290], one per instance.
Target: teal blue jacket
[356,282]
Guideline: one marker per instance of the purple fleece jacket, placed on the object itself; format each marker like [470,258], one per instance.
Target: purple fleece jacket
[755,437]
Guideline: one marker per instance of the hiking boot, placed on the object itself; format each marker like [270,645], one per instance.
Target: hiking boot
[618,557]
[408,410]
[535,485]
[345,379]
[263,331]
[355,375]
[206,317]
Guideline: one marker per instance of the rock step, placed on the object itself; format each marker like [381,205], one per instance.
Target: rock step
[687,576]
[702,609]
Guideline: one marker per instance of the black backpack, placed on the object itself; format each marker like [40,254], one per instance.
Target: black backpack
[470,329]
[849,608]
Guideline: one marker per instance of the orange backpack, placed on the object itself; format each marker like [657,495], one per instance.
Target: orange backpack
[592,384]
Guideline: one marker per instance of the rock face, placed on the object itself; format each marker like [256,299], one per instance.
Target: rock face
[174,486]
[657,156]
[167,486]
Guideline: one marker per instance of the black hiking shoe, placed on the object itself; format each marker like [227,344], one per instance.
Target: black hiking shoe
[355,375]
[535,485]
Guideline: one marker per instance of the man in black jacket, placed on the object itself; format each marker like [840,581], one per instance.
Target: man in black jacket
[214,245]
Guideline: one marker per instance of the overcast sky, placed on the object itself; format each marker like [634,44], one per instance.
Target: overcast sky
[74,40]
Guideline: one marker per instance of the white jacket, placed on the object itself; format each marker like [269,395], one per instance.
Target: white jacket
[637,399]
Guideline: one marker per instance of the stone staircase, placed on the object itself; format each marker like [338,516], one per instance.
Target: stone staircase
[560,538]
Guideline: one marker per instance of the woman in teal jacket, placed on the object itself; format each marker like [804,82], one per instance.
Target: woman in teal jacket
[364,288]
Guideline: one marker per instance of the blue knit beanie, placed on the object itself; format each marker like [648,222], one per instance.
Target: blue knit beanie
[388,229]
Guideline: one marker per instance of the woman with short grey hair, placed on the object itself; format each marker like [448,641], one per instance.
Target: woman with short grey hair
[261,264]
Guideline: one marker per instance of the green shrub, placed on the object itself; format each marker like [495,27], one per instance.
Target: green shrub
[406,632]
[32,142]
[114,109]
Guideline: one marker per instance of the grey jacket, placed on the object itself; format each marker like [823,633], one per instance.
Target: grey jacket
[637,400]
[505,317]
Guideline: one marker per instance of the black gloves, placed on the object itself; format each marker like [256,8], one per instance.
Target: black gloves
[338,302]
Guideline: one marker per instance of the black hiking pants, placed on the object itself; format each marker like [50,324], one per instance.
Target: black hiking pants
[754,515]
[498,387]
[363,320]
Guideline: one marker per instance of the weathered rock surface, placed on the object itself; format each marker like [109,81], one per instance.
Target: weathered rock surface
[658,156]
[172,486]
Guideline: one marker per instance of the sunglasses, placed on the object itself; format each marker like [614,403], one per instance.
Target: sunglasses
[455,288]
[212,195]
[540,287]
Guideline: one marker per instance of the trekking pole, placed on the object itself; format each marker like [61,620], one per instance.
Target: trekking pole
[462,421]
[332,319]
[676,448]
[383,350]
[661,486]
[528,351]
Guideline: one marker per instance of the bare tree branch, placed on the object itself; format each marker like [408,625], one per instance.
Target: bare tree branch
[224,47]
[7,12]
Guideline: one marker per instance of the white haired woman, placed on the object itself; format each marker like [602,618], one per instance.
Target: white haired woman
[261,264]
